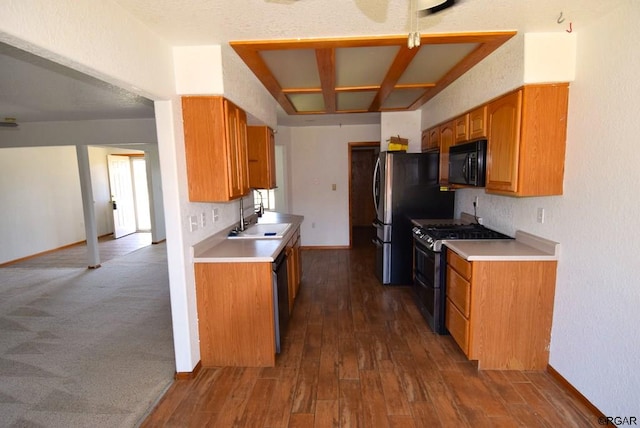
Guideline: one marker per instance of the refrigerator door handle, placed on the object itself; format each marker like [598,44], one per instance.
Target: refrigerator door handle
[376,185]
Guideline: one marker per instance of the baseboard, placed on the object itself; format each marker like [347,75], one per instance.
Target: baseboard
[189,375]
[573,391]
[158,242]
[32,256]
[320,247]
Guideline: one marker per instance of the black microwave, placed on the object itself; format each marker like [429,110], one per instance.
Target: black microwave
[467,163]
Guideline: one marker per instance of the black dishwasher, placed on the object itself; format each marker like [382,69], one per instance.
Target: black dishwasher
[280,297]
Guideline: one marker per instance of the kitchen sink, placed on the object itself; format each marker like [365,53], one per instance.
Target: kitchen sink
[262,231]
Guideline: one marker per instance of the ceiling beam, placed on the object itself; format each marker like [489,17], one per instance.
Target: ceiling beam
[462,67]
[400,64]
[326,59]
[255,62]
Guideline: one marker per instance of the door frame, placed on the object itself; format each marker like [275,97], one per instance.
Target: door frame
[352,146]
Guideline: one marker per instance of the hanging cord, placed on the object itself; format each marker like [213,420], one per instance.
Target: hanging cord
[413,39]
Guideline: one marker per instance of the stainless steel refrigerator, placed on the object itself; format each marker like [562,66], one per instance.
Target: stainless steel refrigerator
[405,187]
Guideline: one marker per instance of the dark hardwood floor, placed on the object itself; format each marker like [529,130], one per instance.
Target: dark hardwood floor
[358,354]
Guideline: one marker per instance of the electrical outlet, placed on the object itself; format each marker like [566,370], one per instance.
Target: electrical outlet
[203,220]
[540,215]
[333,187]
[215,215]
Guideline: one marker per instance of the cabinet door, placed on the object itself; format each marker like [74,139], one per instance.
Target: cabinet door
[206,149]
[446,141]
[461,127]
[261,150]
[424,141]
[478,123]
[434,137]
[503,117]
[236,151]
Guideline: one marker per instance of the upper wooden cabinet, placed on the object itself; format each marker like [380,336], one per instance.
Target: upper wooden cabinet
[446,141]
[461,128]
[262,163]
[527,138]
[478,123]
[215,138]
[431,139]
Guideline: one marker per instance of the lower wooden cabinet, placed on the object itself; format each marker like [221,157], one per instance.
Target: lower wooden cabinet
[500,312]
[294,267]
[235,314]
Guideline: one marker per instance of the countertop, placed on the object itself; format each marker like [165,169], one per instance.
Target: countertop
[525,247]
[218,249]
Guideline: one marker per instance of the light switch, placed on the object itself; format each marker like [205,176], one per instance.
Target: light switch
[193,223]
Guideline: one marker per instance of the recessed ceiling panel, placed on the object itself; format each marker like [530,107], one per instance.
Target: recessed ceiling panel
[293,68]
[309,76]
[307,102]
[355,100]
[363,66]
[432,62]
[402,98]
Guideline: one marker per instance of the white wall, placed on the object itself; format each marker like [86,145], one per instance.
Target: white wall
[403,124]
[595,340]
[40,201]
[319,157]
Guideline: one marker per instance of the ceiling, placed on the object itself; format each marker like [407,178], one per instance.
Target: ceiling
[363,74]
[34,89]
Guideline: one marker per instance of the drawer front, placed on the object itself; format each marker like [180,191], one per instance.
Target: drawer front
[459,291]
[458,326]
[459,264]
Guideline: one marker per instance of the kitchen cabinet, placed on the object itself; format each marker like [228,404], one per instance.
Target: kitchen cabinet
[446,141]
[294,267]
[261,154]
[461,128]
[216,149]
[500,312]
[478,123]
[527,137]
[431,139]
[235,314]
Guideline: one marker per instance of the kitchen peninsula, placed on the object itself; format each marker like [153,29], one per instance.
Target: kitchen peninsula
[500,298]
[236,297]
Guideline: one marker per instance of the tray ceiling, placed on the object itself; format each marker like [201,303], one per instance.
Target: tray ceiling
[363,74]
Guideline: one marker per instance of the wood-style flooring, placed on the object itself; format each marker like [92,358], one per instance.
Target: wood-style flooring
[358,354]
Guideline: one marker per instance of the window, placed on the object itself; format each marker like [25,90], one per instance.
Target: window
[268,198]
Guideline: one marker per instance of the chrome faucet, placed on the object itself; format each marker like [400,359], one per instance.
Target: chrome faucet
[242,225]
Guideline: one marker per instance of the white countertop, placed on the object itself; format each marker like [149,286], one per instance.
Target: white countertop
[525,247]
[218,249]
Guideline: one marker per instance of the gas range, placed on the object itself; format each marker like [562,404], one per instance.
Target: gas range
[433,235]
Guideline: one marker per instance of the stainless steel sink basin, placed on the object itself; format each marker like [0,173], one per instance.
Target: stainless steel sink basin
[262,231]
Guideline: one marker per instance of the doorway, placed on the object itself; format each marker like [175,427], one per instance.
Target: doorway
[362,213]
[129,194]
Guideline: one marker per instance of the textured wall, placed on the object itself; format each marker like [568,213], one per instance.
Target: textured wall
[595,341]
[319,158]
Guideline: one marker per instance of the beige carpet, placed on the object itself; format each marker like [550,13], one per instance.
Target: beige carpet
[85,348]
